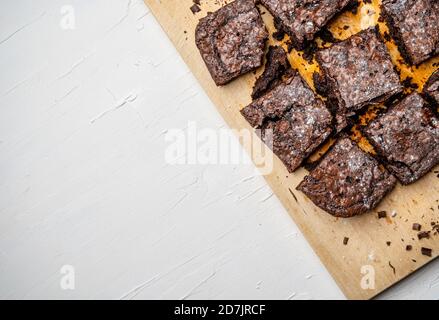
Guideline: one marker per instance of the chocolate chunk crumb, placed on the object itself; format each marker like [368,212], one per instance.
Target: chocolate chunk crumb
[426,251]
[416,227]
[309,51]
[290,46]
[326,35]
[382,214]
[424,235]
[387,36]
[195,8]
[408,83]
[279,35]
[345,240]
[353,6]
[388,243]
[409,248]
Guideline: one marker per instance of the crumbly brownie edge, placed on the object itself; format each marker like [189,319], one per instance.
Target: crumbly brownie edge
[396,35]
[326,87]
[425,91]
[254,115]
[276,66]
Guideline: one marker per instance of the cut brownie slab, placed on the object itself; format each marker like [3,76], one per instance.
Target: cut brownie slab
[414,26]
[232,40]
[276,66]
[347,181]
[355,73]
[431,89]
[302,19]
[406,137]
[292,119]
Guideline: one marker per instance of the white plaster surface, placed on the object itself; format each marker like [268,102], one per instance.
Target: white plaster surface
[83,180]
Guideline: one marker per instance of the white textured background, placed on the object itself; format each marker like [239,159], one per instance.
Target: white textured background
[83,179]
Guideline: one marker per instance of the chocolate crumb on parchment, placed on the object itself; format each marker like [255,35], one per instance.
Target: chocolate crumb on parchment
[345,240]
[409,84]
[388,243]
[408,248]
[386,36]
[426,251]
[195,8]
[424,235]
[279,35]
[416,227]
[382,214]
[326,36]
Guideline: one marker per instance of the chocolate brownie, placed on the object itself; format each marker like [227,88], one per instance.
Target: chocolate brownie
[431,89]
[302,19]
[292,119]
[232,40]
[414,26]
[355,73]
[276,66]
[406,137]
[347,182]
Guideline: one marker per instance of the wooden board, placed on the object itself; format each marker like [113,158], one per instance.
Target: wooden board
[375,257]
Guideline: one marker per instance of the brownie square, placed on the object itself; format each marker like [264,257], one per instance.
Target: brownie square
[406,137]
[414,26]
[347,182]
[302,19]
[431,89]
[276,67]
[292,119]
[232,40]
[355,73]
